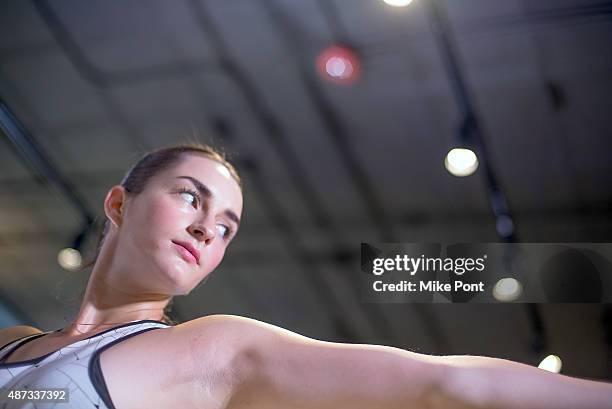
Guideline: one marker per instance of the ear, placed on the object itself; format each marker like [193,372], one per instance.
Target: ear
[114,204]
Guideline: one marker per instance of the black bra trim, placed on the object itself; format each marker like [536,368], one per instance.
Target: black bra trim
[3,364]
[95,370]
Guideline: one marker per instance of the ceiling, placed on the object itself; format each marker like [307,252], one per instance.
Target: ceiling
[326,167]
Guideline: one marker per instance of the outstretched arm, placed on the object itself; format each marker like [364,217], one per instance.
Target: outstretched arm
[275,368]
[497,383]
[281,369]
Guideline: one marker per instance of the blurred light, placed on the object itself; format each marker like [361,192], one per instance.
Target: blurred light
[69,259]
[551,363]
[339,64]
[507,289]
[504,225]
[398,3]
[461,162]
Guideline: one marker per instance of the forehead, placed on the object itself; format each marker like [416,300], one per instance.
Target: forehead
[215,176]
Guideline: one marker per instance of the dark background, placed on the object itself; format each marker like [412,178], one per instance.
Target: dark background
[326,167]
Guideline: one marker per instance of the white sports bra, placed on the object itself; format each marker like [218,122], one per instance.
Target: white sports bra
[75,366]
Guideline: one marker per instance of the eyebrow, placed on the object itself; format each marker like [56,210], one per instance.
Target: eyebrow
[205,191]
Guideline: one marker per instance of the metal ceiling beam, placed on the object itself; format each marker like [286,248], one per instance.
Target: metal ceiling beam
[471,131]
[110,79]
[37,160]
[99,80]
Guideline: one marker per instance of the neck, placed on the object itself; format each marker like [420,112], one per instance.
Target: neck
[92,317]
[106,305]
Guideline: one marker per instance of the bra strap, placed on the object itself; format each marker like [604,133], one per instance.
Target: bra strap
[6,350]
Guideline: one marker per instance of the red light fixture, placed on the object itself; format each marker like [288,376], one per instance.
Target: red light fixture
[339,64]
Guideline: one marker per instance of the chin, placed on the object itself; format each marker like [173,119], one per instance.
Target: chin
[177,277]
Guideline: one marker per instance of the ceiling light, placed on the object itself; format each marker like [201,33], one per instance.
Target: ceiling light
[69,259]
[398,3]
[507,289]
[461,162]
[339,64]
[551,363]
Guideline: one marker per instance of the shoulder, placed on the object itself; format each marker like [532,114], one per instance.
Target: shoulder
[10,334]
[225,340]
[233,340]
[198,360]
[235,329]
[226,333]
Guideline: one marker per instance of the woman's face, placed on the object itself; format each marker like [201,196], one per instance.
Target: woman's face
[175,232]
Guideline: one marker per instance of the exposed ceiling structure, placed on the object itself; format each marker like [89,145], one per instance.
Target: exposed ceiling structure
[326,167]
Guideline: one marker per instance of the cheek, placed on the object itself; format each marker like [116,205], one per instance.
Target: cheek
[215,257]
[167,217]
[156,224]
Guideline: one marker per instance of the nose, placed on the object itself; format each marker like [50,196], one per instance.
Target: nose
[202,233]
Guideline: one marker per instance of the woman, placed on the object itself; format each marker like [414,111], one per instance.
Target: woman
[169,224]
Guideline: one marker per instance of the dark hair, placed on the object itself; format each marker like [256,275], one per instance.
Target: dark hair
[151,164]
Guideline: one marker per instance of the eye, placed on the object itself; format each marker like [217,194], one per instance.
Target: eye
[190,197]
[224,230]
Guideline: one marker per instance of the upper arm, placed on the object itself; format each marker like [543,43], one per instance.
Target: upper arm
[269,367]
[10,334]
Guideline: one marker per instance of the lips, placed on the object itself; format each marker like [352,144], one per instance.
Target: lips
[191,249]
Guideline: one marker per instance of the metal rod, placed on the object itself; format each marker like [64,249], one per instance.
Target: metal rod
[33,154]
[472,132]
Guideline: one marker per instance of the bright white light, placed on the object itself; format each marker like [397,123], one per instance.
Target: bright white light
[551,363]
[339,67]
[507,289]
[398,3]
[69,259]
[461,162]
[339,64]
